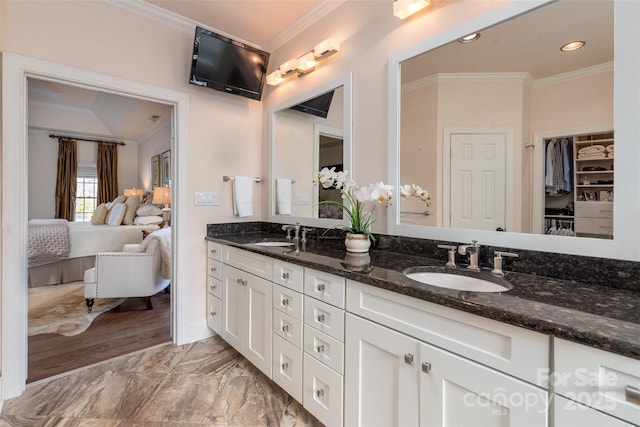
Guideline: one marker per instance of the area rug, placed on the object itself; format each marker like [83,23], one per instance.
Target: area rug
[61,309]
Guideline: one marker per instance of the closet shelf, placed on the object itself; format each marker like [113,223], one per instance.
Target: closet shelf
[594,185]
[593,172]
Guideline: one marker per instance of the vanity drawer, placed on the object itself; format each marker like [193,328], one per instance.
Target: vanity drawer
[288,301]
[214,268]
[605,381]
[516,351]
[288,275]
[287,367]
[324,286]
[287,327]
[322,392]
[594,209]
[324,317]
[260,265]
[214,317]
[214,286]
[214,251]
[594,226]
[324,348]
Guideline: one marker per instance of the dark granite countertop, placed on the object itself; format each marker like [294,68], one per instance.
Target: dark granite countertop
[599,316]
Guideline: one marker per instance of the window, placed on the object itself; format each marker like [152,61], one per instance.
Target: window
[86,192]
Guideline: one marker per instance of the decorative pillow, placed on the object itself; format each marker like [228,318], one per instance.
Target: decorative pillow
[146,210]
[100,214]
[148,220]
[119,199]
[116,213]
[132,204]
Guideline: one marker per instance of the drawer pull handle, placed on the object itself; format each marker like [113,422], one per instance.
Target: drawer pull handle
[426,367]
[408,359]
[285,328]
[320,392]
[632,394]
[213,287]
[213,313]
[285,301]
[239,281]
[320,349]
[320,288]
[321,318]
[285,366]
[285,276]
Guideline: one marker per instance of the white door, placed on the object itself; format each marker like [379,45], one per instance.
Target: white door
[382,376]
[258,302]
[478,180]
[232,308]
[456,392]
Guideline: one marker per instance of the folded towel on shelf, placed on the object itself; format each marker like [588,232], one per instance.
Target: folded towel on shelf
[592,149]
[283,196]
[592,156]
[610,148]
[243,196]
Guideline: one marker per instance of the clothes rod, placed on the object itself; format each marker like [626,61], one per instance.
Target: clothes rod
[226,178]
[87,139]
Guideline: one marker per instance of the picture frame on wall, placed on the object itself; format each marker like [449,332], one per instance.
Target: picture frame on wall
[165,169]
[155,171]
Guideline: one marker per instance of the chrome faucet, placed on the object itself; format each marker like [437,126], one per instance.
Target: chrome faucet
[474,250]
[451,262]
[296,234]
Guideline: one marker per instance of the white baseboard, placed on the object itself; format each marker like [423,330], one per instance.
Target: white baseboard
[195,332]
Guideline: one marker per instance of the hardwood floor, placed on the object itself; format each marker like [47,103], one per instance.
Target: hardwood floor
[125,329]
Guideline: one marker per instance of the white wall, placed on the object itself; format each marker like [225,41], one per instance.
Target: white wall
[154,144]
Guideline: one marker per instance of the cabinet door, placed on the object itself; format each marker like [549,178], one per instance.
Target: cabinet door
[455,391]
[213,313]
[259,318]
[381,376]
[567,413]
[233,310]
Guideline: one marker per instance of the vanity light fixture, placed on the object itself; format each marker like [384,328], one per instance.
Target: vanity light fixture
[575,45]
[470,38]
[305,63]
[405,8]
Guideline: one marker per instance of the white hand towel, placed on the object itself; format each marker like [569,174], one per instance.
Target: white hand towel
[243,196]
[283,196]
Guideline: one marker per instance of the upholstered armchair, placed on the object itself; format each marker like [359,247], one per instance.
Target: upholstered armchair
[140,270]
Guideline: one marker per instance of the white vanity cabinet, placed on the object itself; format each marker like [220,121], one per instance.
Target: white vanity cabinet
[324,333]
[214,286]
[247,305]
[422,373]
[601,380]
[568,413]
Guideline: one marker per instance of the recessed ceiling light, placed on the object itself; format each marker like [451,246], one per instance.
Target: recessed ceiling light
[572,46]
[470,38]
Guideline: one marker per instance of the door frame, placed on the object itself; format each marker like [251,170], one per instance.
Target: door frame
[14,314]
[509,170]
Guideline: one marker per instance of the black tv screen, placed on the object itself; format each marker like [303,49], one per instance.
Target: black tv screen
[227,65]
[318,106]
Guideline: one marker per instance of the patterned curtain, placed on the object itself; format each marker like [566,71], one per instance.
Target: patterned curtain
[67,175]
[107,165]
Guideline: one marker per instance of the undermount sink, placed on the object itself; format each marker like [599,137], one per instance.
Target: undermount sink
[459,282]
[283,244]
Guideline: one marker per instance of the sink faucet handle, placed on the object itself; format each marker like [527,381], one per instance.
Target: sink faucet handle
[452,254]
[497,261]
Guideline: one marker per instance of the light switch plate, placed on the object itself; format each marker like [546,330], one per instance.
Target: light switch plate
[207,198]
[302,199]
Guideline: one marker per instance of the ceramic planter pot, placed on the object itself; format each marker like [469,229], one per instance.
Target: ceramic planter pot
[357,243]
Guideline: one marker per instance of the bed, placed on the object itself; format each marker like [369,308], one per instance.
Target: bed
[56,257]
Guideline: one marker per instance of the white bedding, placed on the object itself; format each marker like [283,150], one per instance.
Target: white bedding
[86,239]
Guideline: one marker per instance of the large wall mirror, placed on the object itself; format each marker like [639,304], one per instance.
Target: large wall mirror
[308,132]
[483,125]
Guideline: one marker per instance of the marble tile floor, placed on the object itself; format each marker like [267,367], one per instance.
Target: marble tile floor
[206,383]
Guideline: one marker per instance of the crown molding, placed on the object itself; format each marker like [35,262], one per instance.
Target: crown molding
[573,75]
[467,77]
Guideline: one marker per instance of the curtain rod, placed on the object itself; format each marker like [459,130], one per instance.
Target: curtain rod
[86,139]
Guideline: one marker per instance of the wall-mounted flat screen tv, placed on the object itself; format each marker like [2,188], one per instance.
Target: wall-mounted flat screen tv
[227,65]
[318,106]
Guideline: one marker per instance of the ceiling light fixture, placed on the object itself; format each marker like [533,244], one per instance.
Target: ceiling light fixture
[405,8]
[470,38]
[573,46]
[305,63]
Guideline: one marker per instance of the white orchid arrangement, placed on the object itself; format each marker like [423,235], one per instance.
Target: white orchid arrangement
[356,198]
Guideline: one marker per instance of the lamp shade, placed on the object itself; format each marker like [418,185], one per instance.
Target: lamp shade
[161,196]
[133,191]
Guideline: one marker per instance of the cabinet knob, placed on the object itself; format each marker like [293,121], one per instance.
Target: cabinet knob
[285,276]
[320,318]
[408,359]
[239,281]
[320,392]
[285,328]
[632,394]
[285,301]
[320,348]
[426,367]
[285,366]
[213,313]
[320,287]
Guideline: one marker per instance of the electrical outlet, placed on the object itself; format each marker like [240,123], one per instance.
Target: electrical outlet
[207,198]
[302,199]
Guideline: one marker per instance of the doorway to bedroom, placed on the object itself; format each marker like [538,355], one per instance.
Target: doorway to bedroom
[62,335]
